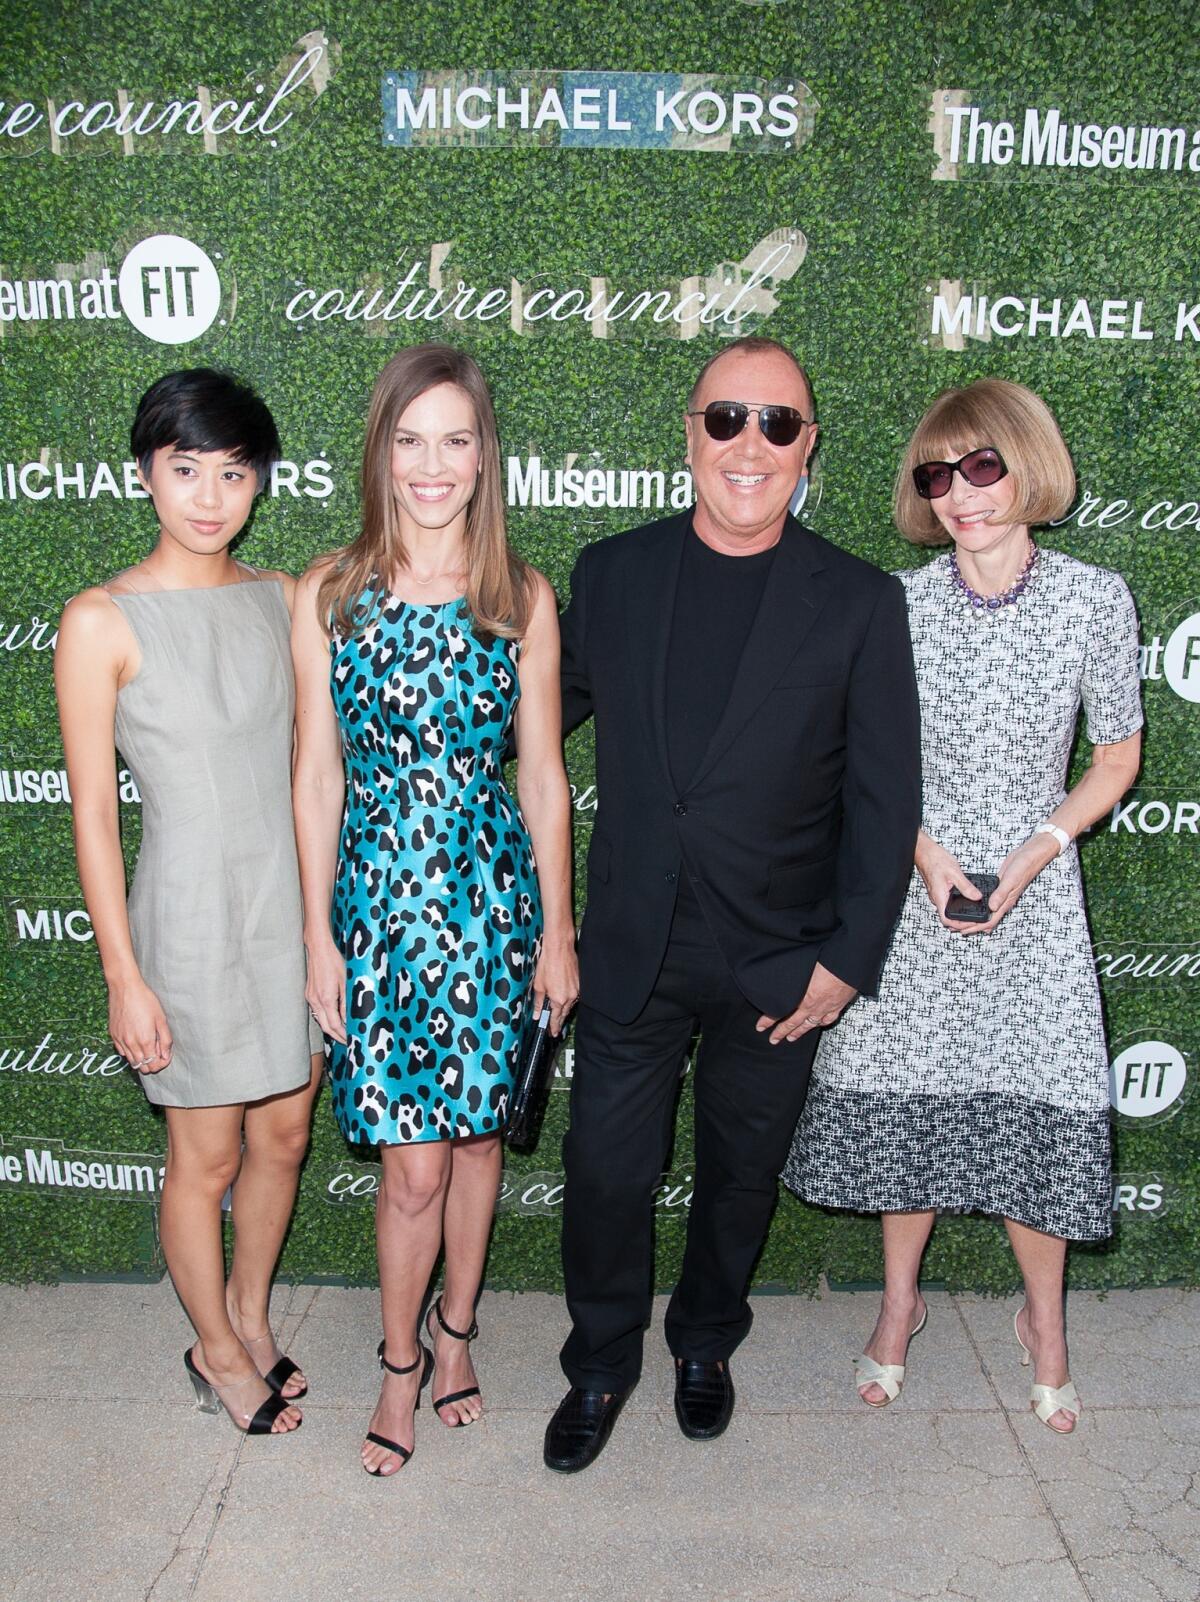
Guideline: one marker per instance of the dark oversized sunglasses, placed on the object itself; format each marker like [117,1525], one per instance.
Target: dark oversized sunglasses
[980,468]
[724,420]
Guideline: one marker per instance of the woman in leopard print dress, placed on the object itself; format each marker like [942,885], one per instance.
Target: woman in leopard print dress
[417,648]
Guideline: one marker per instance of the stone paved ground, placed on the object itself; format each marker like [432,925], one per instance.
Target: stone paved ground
[117,1490]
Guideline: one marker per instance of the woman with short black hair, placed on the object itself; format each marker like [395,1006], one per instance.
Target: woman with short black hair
[183,662]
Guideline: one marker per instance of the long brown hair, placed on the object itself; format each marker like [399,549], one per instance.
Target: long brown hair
[500,588]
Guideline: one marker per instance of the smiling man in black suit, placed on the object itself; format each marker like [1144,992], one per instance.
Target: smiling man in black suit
[757,767]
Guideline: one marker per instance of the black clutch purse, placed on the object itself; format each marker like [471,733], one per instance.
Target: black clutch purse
[531,1090]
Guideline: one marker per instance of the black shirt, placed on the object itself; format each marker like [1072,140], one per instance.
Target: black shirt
[715,605]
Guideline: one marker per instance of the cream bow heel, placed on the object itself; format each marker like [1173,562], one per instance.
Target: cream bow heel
[1046,1400]
[888,1376]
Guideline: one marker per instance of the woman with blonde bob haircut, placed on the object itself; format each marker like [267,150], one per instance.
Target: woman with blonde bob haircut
[427,922]
[1021,427]
[977,1078]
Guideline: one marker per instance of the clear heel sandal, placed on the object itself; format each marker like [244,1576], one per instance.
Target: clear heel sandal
[280,1369]
[207,1400]
[213,1398]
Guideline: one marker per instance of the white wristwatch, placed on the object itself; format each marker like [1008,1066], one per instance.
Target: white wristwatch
[1061,835]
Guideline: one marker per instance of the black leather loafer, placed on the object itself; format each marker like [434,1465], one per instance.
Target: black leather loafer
[579,1430]
[703,1398]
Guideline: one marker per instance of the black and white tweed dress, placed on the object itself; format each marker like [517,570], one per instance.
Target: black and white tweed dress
[976,1080]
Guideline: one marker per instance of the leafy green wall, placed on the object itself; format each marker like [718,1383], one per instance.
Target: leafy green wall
[330,204]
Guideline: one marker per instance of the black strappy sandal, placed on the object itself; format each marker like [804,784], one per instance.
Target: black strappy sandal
[456,1334]
[424,1355]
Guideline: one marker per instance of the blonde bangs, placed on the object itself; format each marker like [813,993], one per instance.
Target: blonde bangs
[995,412]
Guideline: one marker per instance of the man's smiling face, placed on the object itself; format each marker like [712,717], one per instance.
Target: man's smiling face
[744,485]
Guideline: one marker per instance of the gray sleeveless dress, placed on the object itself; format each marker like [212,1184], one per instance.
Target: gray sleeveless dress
[214,909]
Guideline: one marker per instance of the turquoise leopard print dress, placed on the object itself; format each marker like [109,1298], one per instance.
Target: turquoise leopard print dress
[435,903]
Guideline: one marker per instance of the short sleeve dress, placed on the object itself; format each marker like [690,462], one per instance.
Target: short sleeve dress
[976,1080]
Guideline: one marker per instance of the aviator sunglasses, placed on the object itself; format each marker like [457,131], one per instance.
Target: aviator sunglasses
[724,420]
[980,468]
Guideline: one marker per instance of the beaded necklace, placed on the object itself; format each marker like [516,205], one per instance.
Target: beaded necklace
[992,608]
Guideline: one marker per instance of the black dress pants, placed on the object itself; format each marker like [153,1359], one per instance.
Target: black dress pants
[748,1096]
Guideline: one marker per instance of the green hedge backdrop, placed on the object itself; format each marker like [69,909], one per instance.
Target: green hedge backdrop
[865,220]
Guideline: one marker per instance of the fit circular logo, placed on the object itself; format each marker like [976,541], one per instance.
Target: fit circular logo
[1181,659]
[169,289]
[1146,1079]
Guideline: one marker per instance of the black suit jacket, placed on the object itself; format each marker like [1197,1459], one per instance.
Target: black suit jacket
[799,825]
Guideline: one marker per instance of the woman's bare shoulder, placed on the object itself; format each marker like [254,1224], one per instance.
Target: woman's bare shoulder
[93,611]
[93,631]
[277,575]
[544,602]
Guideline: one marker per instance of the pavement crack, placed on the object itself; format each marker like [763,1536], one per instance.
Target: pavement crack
[218,1510]
[151,1588]
[180,1540]
[1039,1489]
[303,1317]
